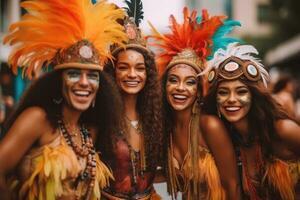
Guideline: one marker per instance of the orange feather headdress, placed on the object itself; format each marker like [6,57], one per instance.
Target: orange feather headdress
[66,33]
[188,43]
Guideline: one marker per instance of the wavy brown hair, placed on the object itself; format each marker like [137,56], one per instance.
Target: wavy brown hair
[46,89]
[263,114]
[148,108]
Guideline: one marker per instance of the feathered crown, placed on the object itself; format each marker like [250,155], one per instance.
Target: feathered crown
[74,33]
[134,17]
[236,61]
[193,41]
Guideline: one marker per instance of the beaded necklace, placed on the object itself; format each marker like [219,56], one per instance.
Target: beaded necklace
[136,157]
[86,150]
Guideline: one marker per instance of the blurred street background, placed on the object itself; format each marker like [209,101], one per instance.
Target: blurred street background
[272,26]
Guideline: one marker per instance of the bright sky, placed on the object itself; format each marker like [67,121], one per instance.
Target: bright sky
[157,12]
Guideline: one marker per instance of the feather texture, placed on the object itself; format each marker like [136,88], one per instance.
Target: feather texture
[51,26]
[219,40]
[194,33]
[278,175]
[53,168]
[135,9]
[208,172]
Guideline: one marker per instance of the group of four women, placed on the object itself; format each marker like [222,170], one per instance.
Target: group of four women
[105,123]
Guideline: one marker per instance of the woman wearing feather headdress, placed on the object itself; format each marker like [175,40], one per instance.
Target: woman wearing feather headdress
[133,152]
[200,157]
[48,152]
[267,140]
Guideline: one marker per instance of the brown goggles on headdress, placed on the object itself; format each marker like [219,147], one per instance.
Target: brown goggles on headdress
[233,68]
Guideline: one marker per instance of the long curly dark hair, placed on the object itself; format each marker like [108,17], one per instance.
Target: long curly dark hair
[149,110]
[44,91]
[263,114]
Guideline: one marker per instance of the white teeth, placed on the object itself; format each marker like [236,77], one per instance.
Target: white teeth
[81,93]
[132,83]
[178,96]
[232,108]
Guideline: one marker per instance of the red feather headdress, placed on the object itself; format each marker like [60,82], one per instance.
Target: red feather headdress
[188,43]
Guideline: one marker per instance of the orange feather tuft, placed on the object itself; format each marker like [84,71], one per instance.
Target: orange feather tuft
[278,175]
[188,35]
[53,25]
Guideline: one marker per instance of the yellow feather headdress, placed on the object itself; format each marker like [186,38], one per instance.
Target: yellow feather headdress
[66,33]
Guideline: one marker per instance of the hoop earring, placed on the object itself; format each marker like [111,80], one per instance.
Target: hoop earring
[57,101]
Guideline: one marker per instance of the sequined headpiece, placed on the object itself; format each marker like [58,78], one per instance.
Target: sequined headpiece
[134,16]
[67,34]
[193,41]
[235,62]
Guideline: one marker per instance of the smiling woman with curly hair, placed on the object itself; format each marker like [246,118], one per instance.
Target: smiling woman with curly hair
[133,153]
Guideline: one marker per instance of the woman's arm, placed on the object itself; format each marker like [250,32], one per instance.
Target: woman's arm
[289,132]
[26,130]
[219,143]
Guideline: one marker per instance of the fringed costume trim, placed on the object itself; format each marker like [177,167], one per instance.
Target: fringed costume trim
[52,173]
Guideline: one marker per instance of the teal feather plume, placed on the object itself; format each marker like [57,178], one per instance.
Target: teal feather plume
[219,39]
[135,9]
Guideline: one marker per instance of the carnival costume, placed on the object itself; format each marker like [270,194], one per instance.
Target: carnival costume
[64,34]
[277,178]
[192,43]
[133,177]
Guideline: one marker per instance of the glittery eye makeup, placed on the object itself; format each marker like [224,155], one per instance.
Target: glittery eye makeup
[74,75]
[93,78]
[222,95]
[243,96]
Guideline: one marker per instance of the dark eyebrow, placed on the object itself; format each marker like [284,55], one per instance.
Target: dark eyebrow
[224,88]
[94,71]
[123,63]
[173,75]
[194,77]
[242,87]
[140,64]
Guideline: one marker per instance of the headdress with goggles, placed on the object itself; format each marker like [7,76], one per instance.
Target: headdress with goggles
[236,61]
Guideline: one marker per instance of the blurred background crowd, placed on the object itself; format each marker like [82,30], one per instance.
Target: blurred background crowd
[272,26]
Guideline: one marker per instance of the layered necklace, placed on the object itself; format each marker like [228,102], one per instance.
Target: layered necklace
[85,150]
[136,158]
